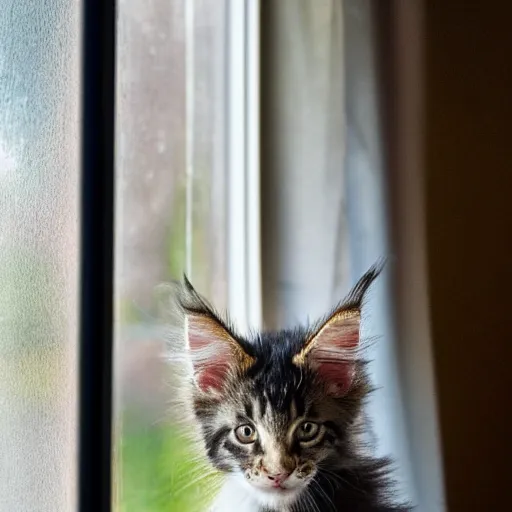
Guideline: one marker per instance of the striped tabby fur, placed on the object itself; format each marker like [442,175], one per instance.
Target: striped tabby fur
[280,412]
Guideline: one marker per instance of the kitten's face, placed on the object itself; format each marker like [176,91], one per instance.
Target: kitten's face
[279,410]
[275,425]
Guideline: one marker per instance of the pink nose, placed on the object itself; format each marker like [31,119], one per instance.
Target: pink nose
[277,478]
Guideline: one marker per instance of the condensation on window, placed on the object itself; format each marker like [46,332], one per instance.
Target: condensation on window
[39,170]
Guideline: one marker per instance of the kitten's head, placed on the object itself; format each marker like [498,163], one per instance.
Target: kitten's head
[278,408]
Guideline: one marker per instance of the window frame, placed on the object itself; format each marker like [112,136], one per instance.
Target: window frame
[243,163]
[96,255]
[96,301]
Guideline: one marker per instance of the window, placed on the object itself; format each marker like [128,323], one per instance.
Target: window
[39,172]
[187,200]
[236,140]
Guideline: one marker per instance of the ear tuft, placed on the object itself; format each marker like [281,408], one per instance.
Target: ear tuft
[213,349]
[332,350]
[356,296]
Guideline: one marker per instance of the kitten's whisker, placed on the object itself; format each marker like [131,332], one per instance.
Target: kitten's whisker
[334,475]
[345,482]
[329,500]
[194,481]
[332,483]
[197,471]
[312,501]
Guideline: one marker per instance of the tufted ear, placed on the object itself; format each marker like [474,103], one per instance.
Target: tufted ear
[332,349]
[214,352]
[213,349]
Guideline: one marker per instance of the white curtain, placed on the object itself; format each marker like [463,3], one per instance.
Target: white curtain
[305,238]
[323,193]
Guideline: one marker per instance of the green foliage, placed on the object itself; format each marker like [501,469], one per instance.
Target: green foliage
[158,469]
[159,472]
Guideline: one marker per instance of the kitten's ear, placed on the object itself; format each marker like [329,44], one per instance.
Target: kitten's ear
[213,349]
[332,349]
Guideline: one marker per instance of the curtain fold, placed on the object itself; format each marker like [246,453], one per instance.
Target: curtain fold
[367,218]
[324,218]
[304,236]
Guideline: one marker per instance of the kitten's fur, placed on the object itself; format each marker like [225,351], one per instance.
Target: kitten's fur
[276,386]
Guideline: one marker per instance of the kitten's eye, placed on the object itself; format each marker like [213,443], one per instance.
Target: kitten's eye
[246,434]
[307,431]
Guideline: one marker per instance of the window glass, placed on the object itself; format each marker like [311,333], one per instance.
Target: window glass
[170,209]
[39,169]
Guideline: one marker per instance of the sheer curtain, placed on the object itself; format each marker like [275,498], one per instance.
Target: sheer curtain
[323,187]
[304,237]
[367,218]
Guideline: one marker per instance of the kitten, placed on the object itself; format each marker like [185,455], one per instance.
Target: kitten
[280,412]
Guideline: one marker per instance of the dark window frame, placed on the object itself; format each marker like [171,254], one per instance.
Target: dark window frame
[97,250]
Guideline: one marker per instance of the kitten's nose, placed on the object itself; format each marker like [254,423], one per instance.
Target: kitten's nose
[277,478]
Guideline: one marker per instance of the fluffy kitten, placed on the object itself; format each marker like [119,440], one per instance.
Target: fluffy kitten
[280,412]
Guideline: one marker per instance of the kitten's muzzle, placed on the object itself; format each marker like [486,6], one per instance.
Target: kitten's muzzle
[282,480]
[277,479]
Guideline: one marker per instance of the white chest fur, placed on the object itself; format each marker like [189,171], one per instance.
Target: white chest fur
[235,497]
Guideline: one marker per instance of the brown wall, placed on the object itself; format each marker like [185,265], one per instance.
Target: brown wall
[468,162]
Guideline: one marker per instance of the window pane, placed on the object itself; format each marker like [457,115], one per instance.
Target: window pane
[39,124]
[171,189]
